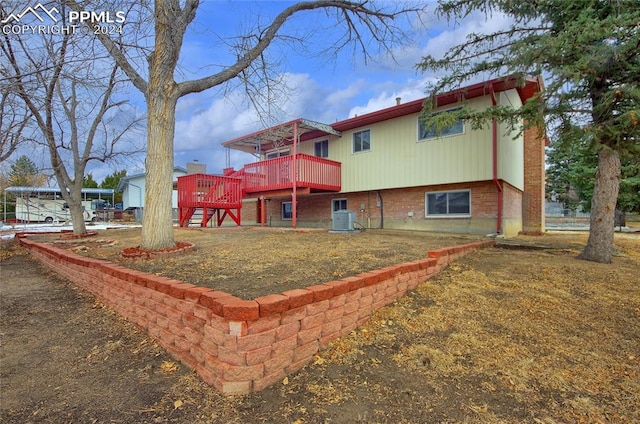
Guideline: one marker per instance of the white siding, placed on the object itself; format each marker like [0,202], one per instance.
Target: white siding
[133,193]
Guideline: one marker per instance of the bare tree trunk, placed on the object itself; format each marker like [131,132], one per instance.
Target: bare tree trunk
[157,228]
[162,96]
[600,244]
[77,214]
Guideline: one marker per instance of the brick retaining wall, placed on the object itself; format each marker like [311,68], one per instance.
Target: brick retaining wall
[236,345]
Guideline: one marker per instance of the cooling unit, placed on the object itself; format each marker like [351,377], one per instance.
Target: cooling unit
[344,220]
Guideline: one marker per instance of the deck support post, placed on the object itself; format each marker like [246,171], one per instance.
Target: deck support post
[294,171]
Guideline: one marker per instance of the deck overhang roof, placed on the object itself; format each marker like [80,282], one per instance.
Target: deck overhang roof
[281,135]
[32,190]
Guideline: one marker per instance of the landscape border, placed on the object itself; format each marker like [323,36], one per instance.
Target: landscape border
[240,346]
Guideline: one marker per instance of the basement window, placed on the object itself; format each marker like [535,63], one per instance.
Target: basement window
[287,211]
[448,203]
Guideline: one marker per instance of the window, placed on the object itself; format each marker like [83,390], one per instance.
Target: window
[362,141]
[339,205]
[321,148]
[287,210]
[426,132]
[277,154]
[448,203]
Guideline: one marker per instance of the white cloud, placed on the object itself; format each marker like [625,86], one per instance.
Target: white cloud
[411,90]
[439,37]
[221,120]
[453,35]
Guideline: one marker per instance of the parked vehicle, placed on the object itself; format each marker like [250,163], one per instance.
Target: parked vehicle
[32,209]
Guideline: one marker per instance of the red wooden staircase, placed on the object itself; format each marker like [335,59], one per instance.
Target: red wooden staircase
[213,194]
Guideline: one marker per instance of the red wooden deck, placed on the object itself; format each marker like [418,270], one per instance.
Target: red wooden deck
[216,194]
[316,174]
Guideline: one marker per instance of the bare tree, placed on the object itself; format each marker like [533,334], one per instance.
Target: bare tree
[361,25]
[68,92]
[14,120]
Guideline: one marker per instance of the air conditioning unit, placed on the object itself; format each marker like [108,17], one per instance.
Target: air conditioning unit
[344,220]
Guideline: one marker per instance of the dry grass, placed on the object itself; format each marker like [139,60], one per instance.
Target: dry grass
[501,336]
[560,336]
[254,262]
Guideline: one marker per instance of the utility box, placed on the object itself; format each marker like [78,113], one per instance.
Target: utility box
[344,220]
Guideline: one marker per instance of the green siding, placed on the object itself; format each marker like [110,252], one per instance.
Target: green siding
[398,159]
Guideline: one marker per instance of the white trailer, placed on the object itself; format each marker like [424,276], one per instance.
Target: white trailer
[32,209]
[45,204]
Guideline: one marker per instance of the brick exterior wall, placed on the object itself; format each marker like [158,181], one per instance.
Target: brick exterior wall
[249,212]
[236,345]
[534,183]
[511,210]
[404,208]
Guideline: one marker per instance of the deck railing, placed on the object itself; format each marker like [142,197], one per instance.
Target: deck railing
[277,174]
[202,190]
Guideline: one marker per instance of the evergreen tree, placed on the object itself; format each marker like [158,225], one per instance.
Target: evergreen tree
[25,173]
[571,172]
[629,197]
[588,53]
[571,175]
[112,180]
[89,182]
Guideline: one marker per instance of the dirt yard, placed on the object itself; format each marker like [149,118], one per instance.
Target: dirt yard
[252,262]
[522,333]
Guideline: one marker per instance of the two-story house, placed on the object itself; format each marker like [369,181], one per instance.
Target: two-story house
[392,171]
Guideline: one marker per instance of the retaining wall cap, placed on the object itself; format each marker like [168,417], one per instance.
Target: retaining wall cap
[193,293]
[339,287]
[369,278]
[438,253]
[354,283]
[235,309]
[298,297]
[321,292]
[211,300]
[272,304]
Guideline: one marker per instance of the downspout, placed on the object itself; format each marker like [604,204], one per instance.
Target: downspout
[495,163]
[381,226]
[294,171]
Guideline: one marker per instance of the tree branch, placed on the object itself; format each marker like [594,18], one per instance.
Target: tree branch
[118,54]
[358,8]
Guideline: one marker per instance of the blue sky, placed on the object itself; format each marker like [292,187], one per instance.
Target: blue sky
[319,87]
